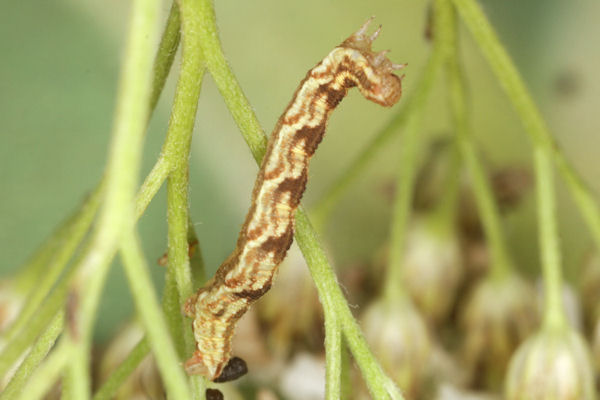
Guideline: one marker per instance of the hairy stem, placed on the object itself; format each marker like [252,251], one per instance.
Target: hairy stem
[380,386]
[50,308]
[333,356]
[177,151]
[167,48]
[230,90]
[38,352]
[46,374]
[152,318]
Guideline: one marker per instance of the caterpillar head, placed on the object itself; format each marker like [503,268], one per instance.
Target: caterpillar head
[373,71]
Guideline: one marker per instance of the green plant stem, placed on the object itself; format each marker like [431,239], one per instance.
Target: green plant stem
[167,48]
[28,274]
[37,353]
[123,371]
[152,318]
[46,374]
[62,236]
[501,264]
[513,85]
[346,378]
[177,217]
[133,359]
[36,325]
[380,386]
[55,253]
[196,259]
[173,154]
[75,229]
[322,209]
[177,151]
[152,183]
[121,176]
[60,246]
[228,86]
[333,356]
[329,292]
[66,385]
[442,218]
[405,181]
[554,314]
[394,287]
[178,143]
[172,311]
[56,299]
[66,236]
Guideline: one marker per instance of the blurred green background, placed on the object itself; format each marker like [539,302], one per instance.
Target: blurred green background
[59,64]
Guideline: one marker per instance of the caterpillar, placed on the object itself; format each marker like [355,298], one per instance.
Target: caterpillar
[267,232]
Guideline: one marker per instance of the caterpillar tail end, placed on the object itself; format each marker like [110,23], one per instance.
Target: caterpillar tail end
[195,366]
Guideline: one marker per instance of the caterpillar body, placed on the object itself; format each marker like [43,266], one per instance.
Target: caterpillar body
[267,232]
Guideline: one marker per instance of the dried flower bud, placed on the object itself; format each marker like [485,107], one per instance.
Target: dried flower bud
[399,339]
[553,364]
[499,315]
[432,269]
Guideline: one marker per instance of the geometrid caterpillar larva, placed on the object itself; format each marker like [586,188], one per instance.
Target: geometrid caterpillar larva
[268,230]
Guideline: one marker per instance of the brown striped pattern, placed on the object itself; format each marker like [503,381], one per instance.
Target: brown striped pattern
[268,230]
